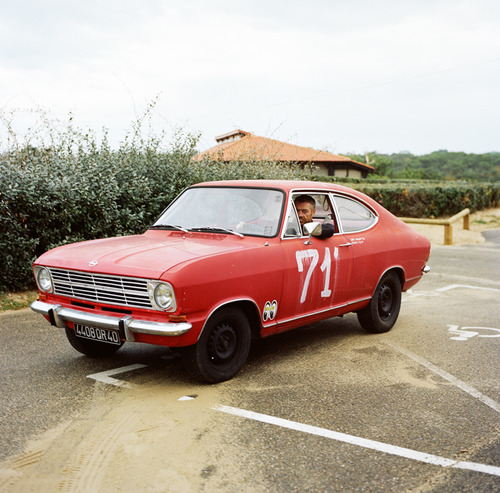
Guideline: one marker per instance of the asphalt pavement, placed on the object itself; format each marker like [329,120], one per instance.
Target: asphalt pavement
[326,407]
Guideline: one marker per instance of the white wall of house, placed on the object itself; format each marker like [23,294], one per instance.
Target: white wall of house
[351,173]
[321,170]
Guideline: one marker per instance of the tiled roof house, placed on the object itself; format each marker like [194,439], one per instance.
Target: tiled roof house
[239,145]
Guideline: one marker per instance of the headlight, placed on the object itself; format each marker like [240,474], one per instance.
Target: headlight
[162,296]
[43,279]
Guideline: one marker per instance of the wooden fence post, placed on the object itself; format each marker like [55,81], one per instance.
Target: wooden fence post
[447,223]
[467,221]
[448,234]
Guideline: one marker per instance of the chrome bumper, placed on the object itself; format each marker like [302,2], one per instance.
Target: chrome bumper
[127,326]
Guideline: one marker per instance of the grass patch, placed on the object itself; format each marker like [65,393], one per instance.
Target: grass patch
[16,301]
[486,219]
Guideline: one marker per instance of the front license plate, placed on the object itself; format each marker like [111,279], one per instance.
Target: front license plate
[109,336]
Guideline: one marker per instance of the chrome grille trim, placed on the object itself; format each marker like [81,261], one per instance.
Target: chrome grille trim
[101,288]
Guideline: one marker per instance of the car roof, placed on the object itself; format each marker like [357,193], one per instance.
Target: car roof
[286,185]
[289,186]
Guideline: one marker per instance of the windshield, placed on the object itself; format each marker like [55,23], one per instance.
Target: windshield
[247,211]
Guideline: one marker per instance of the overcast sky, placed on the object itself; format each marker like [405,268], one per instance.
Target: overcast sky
[339,75]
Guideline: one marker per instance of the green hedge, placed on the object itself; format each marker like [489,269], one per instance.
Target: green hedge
[426,198]
[58,195]
[433,200]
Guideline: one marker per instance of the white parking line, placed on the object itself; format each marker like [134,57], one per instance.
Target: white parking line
[105,376]
[454,286]
[361,442]
[450,378]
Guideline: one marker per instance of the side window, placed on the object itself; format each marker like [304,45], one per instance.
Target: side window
[321,212]
[324,210]
[353,215]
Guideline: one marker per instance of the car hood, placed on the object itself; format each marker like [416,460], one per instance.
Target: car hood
[148,255]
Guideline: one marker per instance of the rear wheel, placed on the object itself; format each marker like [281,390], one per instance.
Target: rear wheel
[95,349]
[222,348]
[381,313]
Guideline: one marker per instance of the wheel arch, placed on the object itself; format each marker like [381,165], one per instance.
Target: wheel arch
[398,270]
[382,311]
[247,307]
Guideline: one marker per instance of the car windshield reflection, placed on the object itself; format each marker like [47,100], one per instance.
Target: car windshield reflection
[232,210]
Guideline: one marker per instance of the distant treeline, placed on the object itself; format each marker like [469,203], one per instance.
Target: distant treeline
[438,165]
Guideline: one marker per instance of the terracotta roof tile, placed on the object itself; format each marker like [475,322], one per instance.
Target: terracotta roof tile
[251,146]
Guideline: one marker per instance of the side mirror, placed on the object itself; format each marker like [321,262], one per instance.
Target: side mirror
[312,229]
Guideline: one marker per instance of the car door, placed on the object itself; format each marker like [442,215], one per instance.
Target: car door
[357,221]
[317,271]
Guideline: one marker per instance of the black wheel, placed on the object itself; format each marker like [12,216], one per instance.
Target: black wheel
[95,349]
[222,348]
[381,313]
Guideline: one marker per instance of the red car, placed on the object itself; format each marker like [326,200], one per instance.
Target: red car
[230,261]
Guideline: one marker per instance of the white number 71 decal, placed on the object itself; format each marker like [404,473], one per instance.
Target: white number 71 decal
[325,267]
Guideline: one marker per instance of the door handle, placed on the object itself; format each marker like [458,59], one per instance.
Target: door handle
[345,244]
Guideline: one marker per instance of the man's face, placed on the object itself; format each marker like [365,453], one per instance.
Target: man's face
[305,211]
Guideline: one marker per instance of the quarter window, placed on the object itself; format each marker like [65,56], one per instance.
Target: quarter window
[353,215]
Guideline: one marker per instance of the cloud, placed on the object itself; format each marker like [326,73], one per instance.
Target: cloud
[343,74]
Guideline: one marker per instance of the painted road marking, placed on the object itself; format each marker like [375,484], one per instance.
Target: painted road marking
[105,376]
[466,333]
[450,378]
[454,286]
[415,294]
[361,442]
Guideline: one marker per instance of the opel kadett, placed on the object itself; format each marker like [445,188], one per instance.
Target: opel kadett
[228,262]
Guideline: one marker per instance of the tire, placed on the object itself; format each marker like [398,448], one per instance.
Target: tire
[381,313]
[222,348]
[94,349]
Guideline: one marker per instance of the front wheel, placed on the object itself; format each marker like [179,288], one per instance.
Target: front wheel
[381,313]
[94,349]
[222,348]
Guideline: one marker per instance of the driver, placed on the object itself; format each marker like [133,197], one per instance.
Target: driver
[306,207]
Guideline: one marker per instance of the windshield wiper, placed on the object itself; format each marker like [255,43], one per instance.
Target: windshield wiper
[217,230]
[169,226]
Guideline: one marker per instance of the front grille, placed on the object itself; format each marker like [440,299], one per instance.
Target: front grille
[101,288]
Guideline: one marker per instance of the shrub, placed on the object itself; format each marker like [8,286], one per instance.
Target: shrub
[78,188]
[433,199]
[424,198]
